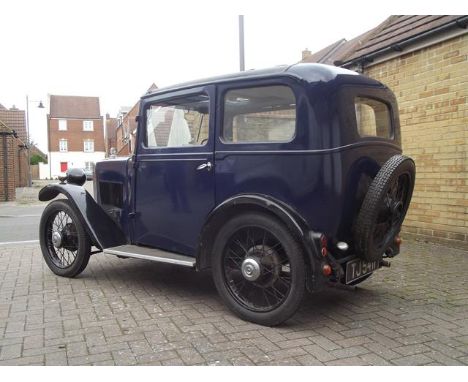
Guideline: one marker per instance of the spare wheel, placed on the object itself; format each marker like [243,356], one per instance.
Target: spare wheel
[384,208]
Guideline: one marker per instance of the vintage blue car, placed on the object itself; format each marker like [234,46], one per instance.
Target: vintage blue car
[279,180]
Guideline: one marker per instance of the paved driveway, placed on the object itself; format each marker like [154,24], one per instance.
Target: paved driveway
[129,312]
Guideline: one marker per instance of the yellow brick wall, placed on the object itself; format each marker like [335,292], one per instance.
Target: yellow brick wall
[431,86]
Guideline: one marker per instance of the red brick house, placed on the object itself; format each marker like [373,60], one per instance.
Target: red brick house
[125,133]
[111,127]
[75,133]
[15,120]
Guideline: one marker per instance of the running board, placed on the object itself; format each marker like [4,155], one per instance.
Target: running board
[151,254]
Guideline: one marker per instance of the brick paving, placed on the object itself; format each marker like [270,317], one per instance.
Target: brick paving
[132,312]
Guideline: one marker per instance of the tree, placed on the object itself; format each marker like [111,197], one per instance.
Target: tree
[35,159]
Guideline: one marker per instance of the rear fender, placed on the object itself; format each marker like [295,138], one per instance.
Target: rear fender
[103,231]
[309,240]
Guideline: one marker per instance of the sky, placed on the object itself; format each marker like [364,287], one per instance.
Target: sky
[116,49]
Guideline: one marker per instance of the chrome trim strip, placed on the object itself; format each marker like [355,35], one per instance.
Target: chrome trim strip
[317,151]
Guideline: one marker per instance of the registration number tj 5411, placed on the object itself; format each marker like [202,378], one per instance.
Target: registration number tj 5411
[355,269]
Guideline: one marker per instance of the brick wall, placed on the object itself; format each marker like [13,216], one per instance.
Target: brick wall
[20,158]
[13,164]
[431,86]
[7,168]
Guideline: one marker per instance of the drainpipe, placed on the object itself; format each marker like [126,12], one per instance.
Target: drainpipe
[5,164]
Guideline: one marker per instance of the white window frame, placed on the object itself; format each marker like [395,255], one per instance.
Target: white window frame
[88,125]
[62,125]
[63,145]
[88,145]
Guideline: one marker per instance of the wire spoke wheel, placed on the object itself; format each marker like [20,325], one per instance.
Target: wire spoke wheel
[391,212]
[384,208]
[62,239]
[257,269]
[65,244]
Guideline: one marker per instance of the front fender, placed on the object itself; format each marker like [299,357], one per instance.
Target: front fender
[104,232]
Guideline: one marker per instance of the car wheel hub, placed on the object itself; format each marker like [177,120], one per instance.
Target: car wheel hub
[56,239]
[251,269]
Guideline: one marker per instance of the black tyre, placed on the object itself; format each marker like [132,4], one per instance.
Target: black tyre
[259,269]
[384,208]
[65,245]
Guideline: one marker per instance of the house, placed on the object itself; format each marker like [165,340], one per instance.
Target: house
[15,120]
[14,163]
[125,134]
[122,135]
[111,127]
[423,59]
[75,133]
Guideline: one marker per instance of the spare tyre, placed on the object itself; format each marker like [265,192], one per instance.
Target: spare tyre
[384,208]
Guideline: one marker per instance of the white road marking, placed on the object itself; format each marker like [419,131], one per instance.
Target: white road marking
[19,242]
[19,216]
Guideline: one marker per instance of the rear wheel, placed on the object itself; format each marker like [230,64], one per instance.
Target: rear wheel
[258,269]
[65,245]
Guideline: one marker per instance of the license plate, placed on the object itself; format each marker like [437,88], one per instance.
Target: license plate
[355,269]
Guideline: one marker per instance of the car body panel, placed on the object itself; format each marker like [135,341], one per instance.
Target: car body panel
[104,232]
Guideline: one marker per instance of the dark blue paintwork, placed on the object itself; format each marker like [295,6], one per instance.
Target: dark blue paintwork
[321,176]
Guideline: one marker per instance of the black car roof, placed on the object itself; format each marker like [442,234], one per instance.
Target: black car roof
[303,71]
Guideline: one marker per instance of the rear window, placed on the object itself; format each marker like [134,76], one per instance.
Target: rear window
[372,118]
[261,114]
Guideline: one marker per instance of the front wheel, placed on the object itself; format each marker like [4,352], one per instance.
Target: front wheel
[65,245]
[259,269]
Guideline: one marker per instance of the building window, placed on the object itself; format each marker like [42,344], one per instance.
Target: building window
[88,145]
[63,145]
[88,126]
[62,124]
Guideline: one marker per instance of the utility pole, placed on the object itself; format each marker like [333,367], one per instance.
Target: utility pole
[241,43]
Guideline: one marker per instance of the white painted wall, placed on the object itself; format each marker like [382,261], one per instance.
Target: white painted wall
[73,158]
[44,171]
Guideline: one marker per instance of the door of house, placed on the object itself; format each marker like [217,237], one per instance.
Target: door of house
[174,179]
[63,166]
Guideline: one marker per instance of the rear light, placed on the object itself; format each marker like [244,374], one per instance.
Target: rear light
[326,270]
[398,240]
[323,241]
[323,245]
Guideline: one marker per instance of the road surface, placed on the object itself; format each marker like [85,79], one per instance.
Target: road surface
[20,222]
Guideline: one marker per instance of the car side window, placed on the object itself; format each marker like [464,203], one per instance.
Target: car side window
[372,118]
[178,122]
[260,114]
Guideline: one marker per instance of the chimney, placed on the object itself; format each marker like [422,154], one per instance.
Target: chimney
[306,53]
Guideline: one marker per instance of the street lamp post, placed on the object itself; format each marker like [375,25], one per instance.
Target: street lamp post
[241,43]
[28,143]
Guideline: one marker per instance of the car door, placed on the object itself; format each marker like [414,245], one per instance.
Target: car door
[174,175]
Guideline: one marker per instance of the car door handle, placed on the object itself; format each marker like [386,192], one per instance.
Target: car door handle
[206,165]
